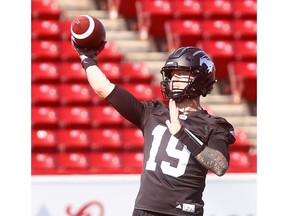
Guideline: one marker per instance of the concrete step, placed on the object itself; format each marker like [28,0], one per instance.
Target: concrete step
[251,131]
[243,121]
[76,4]
[116,35]
[129,46]
[227,110]
[155,57]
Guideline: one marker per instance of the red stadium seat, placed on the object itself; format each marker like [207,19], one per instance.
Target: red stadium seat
[253,160]
[72,163]
[45,94]
[65,27]
[75,94]
[141,91]
[182,33]
[110,53]
[221,52]
[105,163]
[72,72]
[112,71]
[240,162]
[158,94]
[45,50]
[245,9]
[126,9]
[43,163]
[44,72]
[217,29]
[217,9]
[45,30]
[106,139]
[242,142]
[186,9]
[45,9]
[73,140]
[244,29]
[44,117]
[44,139]
[68,53]
[245,50]
[97,100]
[151,16]
[132,139]
[74,117]
[135,72]
[105,116]
[133,162]
[243,81]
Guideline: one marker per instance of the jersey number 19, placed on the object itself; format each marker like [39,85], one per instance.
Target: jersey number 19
[182,155]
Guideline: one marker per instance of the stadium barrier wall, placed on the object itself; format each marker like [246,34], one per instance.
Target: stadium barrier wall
[114,195]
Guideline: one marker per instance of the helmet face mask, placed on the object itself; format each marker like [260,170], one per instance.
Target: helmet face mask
[201,74]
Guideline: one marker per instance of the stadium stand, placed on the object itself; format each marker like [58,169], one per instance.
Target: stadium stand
[75,132]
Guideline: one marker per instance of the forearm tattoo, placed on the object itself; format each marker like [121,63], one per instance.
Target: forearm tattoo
[213,160]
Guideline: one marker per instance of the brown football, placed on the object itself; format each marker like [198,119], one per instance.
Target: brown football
[88,31]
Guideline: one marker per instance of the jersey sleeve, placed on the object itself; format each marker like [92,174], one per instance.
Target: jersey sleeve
[222,137]
[127,105]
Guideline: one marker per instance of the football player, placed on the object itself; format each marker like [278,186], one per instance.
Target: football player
[182,142]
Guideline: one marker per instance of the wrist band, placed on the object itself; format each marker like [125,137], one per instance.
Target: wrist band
[190,140]
[88,62]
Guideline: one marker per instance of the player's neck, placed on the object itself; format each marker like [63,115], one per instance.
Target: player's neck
[189,105]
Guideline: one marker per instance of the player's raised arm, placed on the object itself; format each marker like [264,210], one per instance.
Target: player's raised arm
[96,78]
[88,37]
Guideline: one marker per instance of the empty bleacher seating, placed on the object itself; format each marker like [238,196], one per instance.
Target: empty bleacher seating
[44,140]
[105,162]
[75,94]
[45,50]
[217,9]
[135,72]
[105,116]
[186,9]
[43,163]
[45,94]
[74,131]
[241,162]
[44,117]
[217,29]
[44,72]
[132,139]
[122,8]
[182,33]
[243,80]
[141,91]
[244,9]
[71,72]
[73,140]
[45,30]
[106,139]
[72,163]
[244,29]
[74,117]
[151,16]
[132,162]
[45,9]
[112,71]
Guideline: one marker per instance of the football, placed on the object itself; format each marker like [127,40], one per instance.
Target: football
[88,31]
